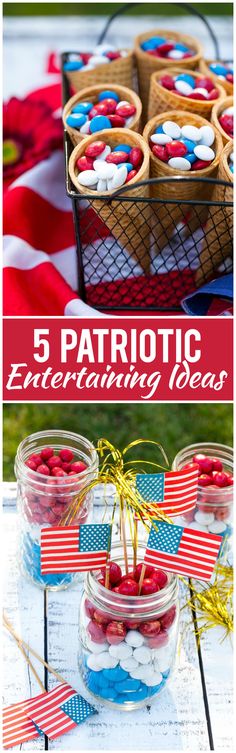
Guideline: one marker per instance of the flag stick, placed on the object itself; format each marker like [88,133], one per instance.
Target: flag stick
[142,576]
[135,542]
[122,521]
[27,659]
[31,650]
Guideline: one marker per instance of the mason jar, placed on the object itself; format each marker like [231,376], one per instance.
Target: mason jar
[43,501]
[128,644]
[214,507]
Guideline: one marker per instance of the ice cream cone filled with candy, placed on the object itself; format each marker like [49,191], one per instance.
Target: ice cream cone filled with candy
[114,107]
[106,65]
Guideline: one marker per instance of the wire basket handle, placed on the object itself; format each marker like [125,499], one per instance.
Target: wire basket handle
[186,6]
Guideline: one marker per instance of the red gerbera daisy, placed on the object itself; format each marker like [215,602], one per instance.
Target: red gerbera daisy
[30,134]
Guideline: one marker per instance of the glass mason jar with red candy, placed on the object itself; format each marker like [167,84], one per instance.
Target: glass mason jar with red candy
[51,468]
[128,643]
[214,508]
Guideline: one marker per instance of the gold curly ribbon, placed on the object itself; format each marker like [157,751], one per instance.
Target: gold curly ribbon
[213,604]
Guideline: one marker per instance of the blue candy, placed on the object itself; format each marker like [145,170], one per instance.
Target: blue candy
[156,688]
[189,144]
[165,674]
[115,675]
[191,157]
[181,47]
[99,123]
[159,129]
[219,69]
[122,148]
[76,120]
[73,65]
[153,43]
[101,680]
[128,166]
[231,167]
[186,77]
[32,565]
[109,693]
[83,107]
[138,695]
[127,685]
[108,94]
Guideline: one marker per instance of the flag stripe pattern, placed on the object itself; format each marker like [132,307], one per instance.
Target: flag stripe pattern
[175,492]
[17,727]
[185,551]
[45,711]
[74,548]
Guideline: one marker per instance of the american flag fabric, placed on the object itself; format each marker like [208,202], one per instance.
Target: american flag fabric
[70,549]
[174,491]
[46,713]
[185,551]
[78,708]
[17,728]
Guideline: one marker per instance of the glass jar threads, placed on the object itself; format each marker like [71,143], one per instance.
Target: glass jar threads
[127,643]
[214,507]
[52,468]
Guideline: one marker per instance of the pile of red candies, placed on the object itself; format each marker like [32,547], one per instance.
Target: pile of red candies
[48,463]
[101,627]
[185,85]
[211,472]
[226,121]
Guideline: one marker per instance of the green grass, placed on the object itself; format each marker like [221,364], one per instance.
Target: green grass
[106,9]
[174,426]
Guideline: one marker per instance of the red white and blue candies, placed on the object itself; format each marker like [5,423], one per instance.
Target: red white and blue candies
[231,162]
[183,148]
[104,169]
[109,111]
[128,660]
[226,121]
[87,61]
[185,85]
[163,47]
[223,71]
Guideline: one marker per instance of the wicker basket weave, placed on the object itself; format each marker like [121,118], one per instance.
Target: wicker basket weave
[118,71]
[217,112]
[219,229]
[168,220]
[161,99]
[148,64]
[90,94]
[129,222]
[204,68]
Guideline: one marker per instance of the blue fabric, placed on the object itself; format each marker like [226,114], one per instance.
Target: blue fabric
[197,304]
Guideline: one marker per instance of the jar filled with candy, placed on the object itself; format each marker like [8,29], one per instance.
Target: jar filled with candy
[51,468]
[214,508]
[128,641]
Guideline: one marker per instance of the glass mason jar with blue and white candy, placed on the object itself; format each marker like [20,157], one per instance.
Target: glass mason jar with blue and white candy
[213,512]
[52,468]
[128,644]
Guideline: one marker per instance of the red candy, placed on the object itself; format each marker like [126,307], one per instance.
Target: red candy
[214,94]
[78,466]
[128,587]
[47,453]
[115,633]
[149,586]
[54,462]
[205,464]
[167,82]
[66,455]
[229,77]
[164,48]
[84,163]
[199,164]
[110,104]
[227,123]
[89,608]
[168,618]
[115,573]
[150,629]
[131,175]
[135,156]
[99,109]
[117,121]
[205,83]
[100,617]
[176,149]
[204,479]
[96,632]
[94,149]
[158,640]
[58,472]
[149,571]
[116,157]
[43,469]
[221,479]
[30,464]
[160,577]
[160,152]
[126,111]
[36,459]
[216,464]
[196,95]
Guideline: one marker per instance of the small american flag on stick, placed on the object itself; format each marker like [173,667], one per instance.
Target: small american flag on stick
[175,492]
[16,725]
[69,549]
[46,713]
[185,551]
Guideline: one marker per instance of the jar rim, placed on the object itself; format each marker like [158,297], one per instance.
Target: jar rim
[36,478]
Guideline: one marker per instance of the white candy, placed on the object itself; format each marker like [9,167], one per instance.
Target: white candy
[154,679]
[102,185]
[88,67]
[103,48]
[179,163]
[134,638]
[161,138]
[96,648]
[106,661]
[171,129]
[105,152]
[232,156]
[98,60]
[129,121]
[122,651]
[228,111]
[85,128]
[204,152]
[183,87]
[129,664]
[119,178]
[88,178]
[205,518]
[201,90]
[197,527]
[179,521]
[142,655]
[92,663]
[141,673]
[161,665]
[217,527]
[207,136]
[191,132]
[175,54]
[121,103]
[104,170]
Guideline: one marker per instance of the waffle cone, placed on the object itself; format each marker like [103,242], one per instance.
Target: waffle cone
[148,64]
[218,244]
[204,68]
[161,99]
[91,94]
[168,217]
[118,71]
[217,112]
[129,222]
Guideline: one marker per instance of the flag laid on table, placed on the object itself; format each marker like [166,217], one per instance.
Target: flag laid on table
[78,708]
[185,551]
[17,728]
[46,713]
[175,492]
[73,549]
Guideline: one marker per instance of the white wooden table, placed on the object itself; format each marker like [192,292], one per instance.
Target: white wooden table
[194,712]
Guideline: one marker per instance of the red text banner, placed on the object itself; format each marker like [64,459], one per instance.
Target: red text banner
[125,359]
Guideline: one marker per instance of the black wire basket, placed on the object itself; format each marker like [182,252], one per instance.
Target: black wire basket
[179,247]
